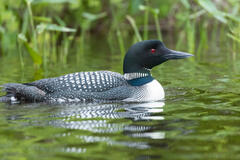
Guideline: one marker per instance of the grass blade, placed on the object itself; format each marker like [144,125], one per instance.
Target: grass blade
[53,1]
[53,27]
[36,57]
[212,9]
[93,17]
[133,24]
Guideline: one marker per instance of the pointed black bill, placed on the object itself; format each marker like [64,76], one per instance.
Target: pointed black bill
[171,54]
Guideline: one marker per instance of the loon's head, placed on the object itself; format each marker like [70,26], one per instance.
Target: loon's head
[143,56]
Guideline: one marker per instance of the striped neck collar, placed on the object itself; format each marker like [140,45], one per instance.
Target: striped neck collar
[138,78]
[131,76]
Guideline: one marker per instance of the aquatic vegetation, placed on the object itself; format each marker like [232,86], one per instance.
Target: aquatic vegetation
[51,31]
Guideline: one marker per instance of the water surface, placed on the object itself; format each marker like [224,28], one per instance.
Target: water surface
[198,120]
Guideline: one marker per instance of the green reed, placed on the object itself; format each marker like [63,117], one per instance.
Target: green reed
[42,33]
[135,28]
[146,21]
[38,45]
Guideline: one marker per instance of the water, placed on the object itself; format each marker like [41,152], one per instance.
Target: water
[198,120]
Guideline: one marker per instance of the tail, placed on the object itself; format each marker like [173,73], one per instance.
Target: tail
[16,92]
[6,99]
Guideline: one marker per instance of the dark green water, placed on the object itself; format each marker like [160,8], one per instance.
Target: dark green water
[198,120]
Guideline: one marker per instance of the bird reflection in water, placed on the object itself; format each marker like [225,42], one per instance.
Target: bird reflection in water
[103,119]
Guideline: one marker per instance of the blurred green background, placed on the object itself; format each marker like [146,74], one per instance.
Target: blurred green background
[52,31]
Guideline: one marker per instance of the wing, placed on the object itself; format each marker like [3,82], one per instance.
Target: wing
[99,81]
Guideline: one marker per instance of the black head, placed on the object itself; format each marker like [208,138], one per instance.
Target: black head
[144,55]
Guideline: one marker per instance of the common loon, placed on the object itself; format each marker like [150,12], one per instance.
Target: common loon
[135,85]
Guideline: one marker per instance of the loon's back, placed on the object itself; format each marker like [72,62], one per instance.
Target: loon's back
[77,87]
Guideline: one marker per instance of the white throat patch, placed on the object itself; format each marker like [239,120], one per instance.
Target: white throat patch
[130,76]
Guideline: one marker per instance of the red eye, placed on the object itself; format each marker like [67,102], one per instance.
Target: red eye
[153,50]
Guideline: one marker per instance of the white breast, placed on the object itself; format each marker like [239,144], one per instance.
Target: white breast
[152,91]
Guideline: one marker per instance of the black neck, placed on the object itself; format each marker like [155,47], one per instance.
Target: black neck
[129,67]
